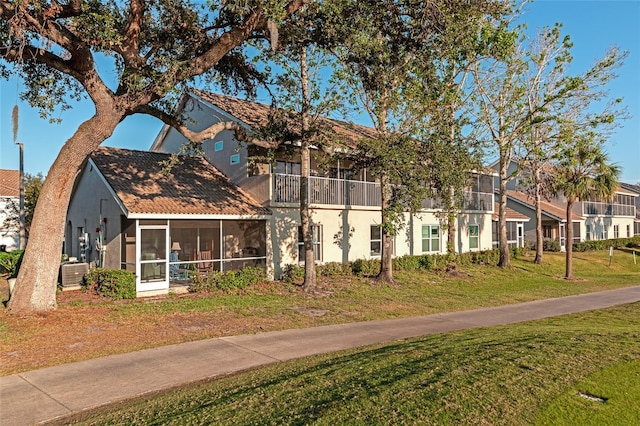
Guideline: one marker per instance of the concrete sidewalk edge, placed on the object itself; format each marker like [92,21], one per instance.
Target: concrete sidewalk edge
[55,392]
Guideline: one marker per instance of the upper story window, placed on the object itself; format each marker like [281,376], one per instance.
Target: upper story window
[287,168]
[218,146]
[235,159]
[482,183]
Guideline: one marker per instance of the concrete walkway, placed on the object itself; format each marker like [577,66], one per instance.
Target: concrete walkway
[50,393]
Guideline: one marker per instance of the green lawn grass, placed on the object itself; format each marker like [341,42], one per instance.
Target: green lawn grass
[102,326]
[416,292]
[517,374]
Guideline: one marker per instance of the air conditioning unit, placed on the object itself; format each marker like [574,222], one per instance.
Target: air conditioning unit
[72,273]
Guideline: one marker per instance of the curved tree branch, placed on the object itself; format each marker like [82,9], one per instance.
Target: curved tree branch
[240,132]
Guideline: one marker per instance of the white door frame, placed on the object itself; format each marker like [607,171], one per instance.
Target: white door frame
[161,284]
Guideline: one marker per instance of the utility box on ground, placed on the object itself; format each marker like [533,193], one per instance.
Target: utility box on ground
[71,274]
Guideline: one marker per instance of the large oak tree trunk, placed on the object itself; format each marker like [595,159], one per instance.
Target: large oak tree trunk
[35,288]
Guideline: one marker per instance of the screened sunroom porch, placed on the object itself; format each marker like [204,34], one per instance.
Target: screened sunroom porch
[168,252]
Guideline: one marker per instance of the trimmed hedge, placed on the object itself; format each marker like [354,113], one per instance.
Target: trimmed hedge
[294,274]
[605,244]
[113,283]
[371,267]
[216,280]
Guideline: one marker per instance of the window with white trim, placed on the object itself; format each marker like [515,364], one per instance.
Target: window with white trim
[616,231]
[430,238]
[628,231]
[588,235]
[474,236]
[316,241]
[376,240]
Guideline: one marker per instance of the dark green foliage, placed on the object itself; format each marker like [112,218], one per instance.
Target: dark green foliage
[293,274]
[486,257]
[216,280]
[605,244]
[366,267]
[551,245]
[333,269]
[10,262]
[113,283]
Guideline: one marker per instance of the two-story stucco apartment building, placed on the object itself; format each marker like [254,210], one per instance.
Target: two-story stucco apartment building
[231,207]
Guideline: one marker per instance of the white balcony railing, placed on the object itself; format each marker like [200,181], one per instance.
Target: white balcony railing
[344,192]
[286,189]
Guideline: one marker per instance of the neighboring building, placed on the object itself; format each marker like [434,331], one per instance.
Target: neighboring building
[129,212]
[592,219]
[609,219]
[554,219]
[9,192]
[634,189]
[345,202]
[516,225]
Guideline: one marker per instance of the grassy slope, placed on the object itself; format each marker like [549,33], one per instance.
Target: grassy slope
[517,374]
[82,330]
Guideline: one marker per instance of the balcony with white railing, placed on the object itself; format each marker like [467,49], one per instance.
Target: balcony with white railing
[327,191]
[355,193]
[607,209]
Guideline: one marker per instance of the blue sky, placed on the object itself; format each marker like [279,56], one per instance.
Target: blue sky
[592,25]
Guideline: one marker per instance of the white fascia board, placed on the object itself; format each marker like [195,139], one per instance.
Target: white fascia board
[196,216]
[157,143]
[109,188]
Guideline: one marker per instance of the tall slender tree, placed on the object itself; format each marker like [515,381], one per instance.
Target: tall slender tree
[157,47]
[305,93]
[389,54]
[549,58]
[526,89]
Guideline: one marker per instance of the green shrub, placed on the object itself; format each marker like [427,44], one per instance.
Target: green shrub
[551,245]
[605,244]
[333,269]
[366,267]
[113,283]
[293,274]
[205,282]
[406,263]
[227,280]
[10,262]
[248,276]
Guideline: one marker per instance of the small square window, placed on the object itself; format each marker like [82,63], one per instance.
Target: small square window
[218,146]
[235,159]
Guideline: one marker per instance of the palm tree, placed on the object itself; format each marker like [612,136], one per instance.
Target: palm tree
[584,172]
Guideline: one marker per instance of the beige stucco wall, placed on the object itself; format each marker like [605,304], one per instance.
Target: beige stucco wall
[606,222]
[346,234]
